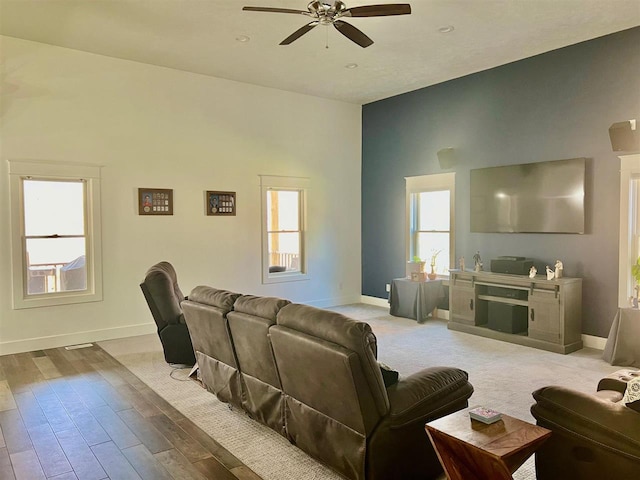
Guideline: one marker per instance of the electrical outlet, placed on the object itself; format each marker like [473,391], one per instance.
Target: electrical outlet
[388,287]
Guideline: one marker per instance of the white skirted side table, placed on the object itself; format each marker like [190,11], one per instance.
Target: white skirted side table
[623,343]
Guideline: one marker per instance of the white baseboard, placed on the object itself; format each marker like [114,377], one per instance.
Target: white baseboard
[378,302]
[383,302]
[590,341]
[334,302]
[54,341]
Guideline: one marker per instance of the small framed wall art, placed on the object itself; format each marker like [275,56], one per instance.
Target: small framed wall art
[155,201]
[221,203]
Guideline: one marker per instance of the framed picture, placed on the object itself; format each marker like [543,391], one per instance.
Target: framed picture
[155,201]
[221,203]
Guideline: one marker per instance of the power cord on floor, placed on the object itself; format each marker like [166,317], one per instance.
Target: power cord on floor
[179,366]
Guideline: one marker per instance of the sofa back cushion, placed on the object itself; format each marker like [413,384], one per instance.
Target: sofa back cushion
[205,312]
[221,299]
[249,323]
[333,389]
[332,330]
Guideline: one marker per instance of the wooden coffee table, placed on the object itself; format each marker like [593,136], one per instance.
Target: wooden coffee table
[471,450]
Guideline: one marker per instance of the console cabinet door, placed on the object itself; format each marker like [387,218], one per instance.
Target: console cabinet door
[544,316]
[463,303]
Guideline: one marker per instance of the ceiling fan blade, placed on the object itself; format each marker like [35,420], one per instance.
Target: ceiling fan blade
[378,10]
[352,33]
[274,10]
[298,33]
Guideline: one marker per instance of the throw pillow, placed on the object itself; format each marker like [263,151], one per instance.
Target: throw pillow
[632,395]
[389,376]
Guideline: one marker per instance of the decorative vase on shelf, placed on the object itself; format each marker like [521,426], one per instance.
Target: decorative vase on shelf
[432,274]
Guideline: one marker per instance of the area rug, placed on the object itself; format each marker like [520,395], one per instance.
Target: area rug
[503,376]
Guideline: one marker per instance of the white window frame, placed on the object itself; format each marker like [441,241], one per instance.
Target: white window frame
[90,174]
[430,183]
[629,169]
[301,184]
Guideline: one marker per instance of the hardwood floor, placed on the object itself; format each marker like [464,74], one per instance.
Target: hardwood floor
[80,415]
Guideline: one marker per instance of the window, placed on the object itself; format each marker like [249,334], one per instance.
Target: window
[283,225]
[55,233]
[430,223]
[629,226]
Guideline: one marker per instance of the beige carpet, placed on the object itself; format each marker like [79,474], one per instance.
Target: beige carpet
[503,375]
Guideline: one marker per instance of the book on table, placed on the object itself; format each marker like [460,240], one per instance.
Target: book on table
[485,415]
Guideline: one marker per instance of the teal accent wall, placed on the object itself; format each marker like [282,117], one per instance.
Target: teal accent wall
[553,106]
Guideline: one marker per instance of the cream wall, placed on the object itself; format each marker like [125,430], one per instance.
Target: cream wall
[161,128]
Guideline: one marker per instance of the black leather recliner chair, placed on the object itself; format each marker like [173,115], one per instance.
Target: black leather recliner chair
[164,297]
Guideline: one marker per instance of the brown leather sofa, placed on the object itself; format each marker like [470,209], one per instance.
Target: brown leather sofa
[312,376]
[595,436]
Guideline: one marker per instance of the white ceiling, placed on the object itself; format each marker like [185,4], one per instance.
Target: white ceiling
[408,53]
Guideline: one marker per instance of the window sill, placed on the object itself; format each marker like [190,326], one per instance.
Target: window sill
[284,277]
[52,300]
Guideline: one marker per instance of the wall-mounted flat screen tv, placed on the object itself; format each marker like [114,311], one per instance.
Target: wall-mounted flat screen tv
[543,197]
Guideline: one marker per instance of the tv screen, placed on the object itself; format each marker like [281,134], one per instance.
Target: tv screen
[544,197]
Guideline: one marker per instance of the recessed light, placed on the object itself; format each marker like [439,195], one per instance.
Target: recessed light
[242,38]
[351,66]
[446,29]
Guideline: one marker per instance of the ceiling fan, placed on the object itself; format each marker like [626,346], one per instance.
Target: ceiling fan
[330,13]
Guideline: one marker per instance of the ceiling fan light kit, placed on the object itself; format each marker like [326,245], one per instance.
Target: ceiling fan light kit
[324,13]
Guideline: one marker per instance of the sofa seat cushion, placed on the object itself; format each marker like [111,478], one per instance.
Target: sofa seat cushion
[425,393]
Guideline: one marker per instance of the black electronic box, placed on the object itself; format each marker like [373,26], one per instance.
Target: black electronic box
[514,265]
[507,318]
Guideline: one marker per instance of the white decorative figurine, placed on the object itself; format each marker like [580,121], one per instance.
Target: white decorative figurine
[461,264]
[550,273]
[532,272]
[559,269]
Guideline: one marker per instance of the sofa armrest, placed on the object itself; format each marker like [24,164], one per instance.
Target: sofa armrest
[426,394]
[588,417]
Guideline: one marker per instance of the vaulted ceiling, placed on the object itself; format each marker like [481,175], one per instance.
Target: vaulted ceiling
[410,51]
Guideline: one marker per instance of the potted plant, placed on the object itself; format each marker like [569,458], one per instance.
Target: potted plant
[432,274]
[635,273]
[417,264]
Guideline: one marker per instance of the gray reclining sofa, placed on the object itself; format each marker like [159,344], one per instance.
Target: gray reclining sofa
[312,376]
